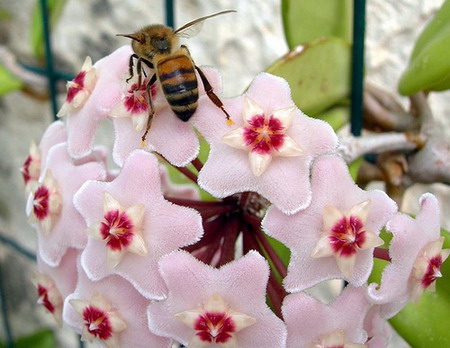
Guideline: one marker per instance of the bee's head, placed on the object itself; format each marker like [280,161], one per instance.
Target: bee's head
[153,40]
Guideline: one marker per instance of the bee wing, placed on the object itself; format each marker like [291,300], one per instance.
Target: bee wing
[193,28]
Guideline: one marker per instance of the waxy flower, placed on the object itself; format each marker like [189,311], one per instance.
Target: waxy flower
[416,258]
[335,236]
[133,225]
[59,225]
[311,323]
[208,307]
[169,136]
[272,146]
[110,312]
[49,295]
[79,89]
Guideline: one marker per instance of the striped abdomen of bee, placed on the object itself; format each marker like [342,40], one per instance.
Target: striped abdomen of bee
[179,83]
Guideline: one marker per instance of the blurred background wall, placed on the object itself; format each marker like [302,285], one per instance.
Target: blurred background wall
[240,45]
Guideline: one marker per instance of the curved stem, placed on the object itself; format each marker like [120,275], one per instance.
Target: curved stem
[382,254]
[197,164]
[230,234]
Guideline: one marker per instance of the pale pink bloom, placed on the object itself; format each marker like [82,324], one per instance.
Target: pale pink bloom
[270,148]
[416,258]
[110,312]
[209,307]
[51,208]
[335,236]
[174,139]
[172,190]
[31,169]
[79,89]
[53,284]
[133,225]
[82,122]
[378,330]
[311,323]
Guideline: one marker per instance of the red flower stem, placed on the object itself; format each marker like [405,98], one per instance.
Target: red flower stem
[382,254]
[230,233]
[210,212]
[277,295]
[212,229]
[197,164]
[261,237]
[207,255]
[187,173]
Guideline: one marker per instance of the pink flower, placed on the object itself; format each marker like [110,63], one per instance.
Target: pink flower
[79,89]
[110,312]
[132,226]
[82,122]
[174,139]
[416,258]
[207,306]
[335,236]
[311,323]
[31,169]
[50,206]
[268,151]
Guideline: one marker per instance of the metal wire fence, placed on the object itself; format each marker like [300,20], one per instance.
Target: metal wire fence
[53,76]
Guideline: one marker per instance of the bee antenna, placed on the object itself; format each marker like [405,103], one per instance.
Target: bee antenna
[135,36]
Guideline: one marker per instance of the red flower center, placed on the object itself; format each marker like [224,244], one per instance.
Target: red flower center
[76,85]
[43,296]
[434,266]
[136,100]
[117,229]
[40,202]
[26,169]
[97,322]
[347,235]
[264,135]
[214,327]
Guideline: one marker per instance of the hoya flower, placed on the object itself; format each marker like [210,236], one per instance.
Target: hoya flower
[31,169]
[171,137]
[311,323]
[170,189]
[79,89]
[82,122]
[50,206]
[336,235]
[209,307]
[53,284]
[131,226]
[378,330]
[270,148]
[110,312]
[416,258]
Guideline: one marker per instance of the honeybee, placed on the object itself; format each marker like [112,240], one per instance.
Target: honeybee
[157,46]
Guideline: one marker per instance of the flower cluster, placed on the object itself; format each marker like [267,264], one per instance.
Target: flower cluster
[127,258]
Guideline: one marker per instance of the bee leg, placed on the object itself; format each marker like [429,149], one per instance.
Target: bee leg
[130,66]
[151,109]
[139,71]
[214,98]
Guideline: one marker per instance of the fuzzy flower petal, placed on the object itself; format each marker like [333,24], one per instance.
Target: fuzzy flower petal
[199,294]
[332,238]
[416,258]
[184,191]
[82,122]
[133,226]
[271,143]
[59,225]
[174,139]
[53,284]
[311,323]
[110,312]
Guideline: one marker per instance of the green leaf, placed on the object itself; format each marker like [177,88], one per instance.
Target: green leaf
[337,116]
[40,339]
[8,82]
[308,20]
[318,73]
[354,167]
[429,66]
[425,324]
[55,8]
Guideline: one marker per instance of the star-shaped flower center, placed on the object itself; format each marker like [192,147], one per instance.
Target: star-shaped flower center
[120,229]
[40,202]
[215,323]
[344,235]
[136,99]
[427,268]
[49,295]
[97,323]
[32,166]
[336,339]
[75,86]
[263,135]
[43,298]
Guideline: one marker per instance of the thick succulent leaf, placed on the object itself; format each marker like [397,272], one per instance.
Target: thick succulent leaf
[429,66]
[308,20]
[337,116]
[8,82]
[40,339]
[318,73]
[425,324]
